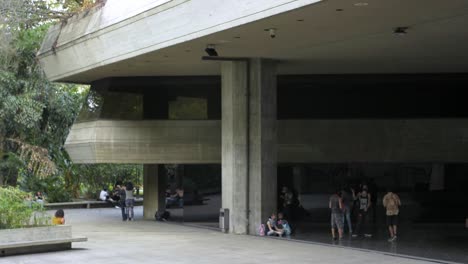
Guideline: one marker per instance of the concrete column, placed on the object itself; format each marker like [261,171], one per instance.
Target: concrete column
[437,177]
[249,153]
[298,172]
[262,142]
[234,144]
[153,191]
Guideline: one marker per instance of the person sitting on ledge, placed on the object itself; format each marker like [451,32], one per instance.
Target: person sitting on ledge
[59,218]
[104,196]
[272,227]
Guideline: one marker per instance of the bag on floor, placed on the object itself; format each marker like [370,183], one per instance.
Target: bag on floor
[261,230]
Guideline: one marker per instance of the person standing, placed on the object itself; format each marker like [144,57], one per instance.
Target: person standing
[122,199]
[336,206]
[129,201]
[392,202]
[286,198]
[347,200]
[364,203]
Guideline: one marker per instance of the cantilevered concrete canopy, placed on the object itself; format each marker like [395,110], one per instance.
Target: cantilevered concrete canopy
[151,38]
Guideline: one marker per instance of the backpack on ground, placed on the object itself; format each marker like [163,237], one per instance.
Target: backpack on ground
[162,216]
[261,230]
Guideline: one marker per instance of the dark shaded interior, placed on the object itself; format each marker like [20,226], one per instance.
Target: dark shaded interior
[299,97]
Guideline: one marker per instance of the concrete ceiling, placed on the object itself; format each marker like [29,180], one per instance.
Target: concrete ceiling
[333,36]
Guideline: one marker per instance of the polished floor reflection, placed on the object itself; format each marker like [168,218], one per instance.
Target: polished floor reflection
[446,242]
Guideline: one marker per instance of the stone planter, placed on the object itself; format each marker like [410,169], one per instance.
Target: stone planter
[36,239]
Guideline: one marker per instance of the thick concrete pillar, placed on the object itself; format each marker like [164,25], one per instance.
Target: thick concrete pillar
[262,142]
[249,154]
[153,191]
[437,177]
[234,155]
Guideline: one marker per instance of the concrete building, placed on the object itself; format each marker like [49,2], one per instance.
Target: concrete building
[296,84]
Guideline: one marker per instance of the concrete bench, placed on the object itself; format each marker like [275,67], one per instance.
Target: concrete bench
[36,240]
[38,246]
[84,204]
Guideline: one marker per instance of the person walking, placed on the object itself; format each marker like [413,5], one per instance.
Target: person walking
[364,203]
[129,201]
[392,202]
[336,206]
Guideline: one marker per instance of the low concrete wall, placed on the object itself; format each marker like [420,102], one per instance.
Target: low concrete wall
[35,233]
[299,141]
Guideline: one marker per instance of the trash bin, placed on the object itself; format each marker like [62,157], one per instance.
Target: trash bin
[224,219]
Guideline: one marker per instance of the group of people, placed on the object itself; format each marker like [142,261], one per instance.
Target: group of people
[343,202]
[121,197]
[276,225]
[176,198]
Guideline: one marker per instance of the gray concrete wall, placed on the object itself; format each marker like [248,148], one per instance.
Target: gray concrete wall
[145,142]
[144,26]
[302,141]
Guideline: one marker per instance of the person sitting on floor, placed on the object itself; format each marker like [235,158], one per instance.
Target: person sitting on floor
[59,217]
[272,227]
[283,224]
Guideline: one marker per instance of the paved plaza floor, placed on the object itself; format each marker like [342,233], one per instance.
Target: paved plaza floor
[114,241]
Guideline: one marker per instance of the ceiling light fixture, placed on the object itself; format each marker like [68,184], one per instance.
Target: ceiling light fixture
[211,50]
[400,31]
[361,4]
[272,32]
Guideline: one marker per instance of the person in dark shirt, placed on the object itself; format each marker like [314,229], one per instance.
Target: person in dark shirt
[363,199]
[122,202]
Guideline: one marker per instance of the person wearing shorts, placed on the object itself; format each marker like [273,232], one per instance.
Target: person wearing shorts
[336,206]
[392,202]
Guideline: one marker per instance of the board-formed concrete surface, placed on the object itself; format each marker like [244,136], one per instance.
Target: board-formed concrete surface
[114,241]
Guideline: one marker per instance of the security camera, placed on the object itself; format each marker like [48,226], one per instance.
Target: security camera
[272,32]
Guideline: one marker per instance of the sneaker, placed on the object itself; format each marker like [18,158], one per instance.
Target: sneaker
[354,235]
[116,207]
[368,235]
[334,238]
[394,238]
[390,239]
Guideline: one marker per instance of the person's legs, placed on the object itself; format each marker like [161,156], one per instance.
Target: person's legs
[339,224]
[332,222]
[359,223]
[366,223]
[390,226]
[271,233]
[124,213]
[347,219]
[395,224]
[127,209]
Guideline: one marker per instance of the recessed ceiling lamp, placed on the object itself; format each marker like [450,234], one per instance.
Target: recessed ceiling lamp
[361,4]
[400,31]
[211,50]
[272,32]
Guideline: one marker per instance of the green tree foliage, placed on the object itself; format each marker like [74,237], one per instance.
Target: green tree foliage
[36,115]
[17,210]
